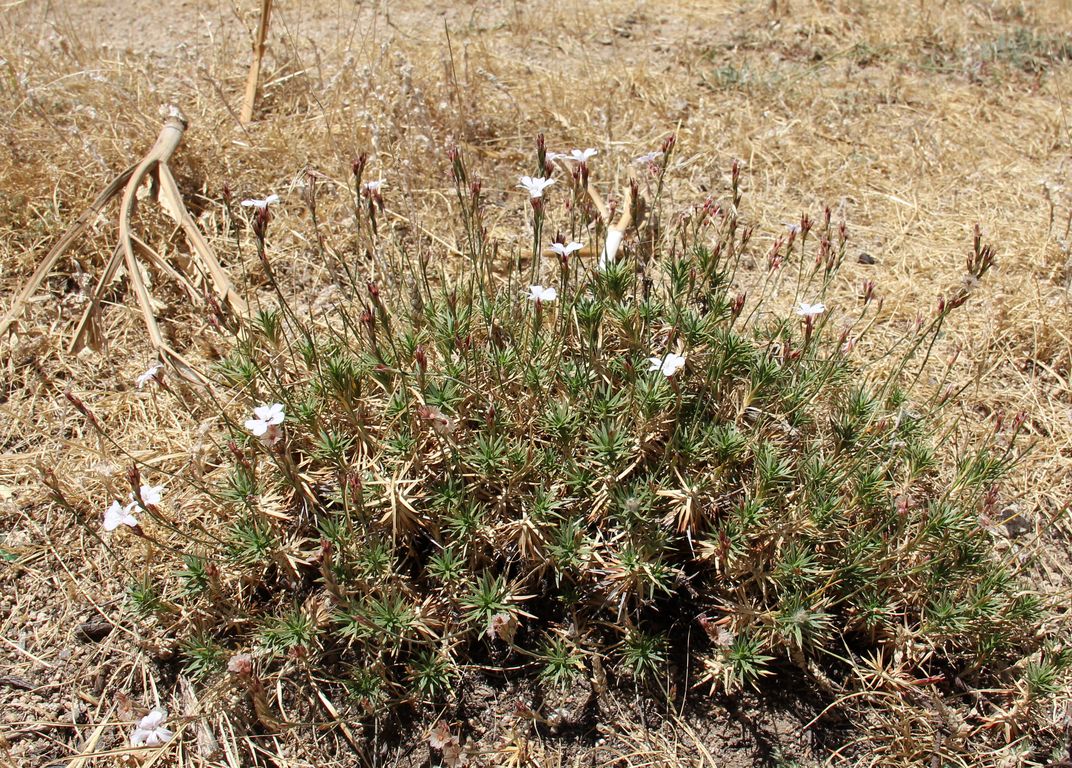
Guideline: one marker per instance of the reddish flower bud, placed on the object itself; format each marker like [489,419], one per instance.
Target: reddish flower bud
[260,223]
[134,478]
[358,166]
[82,408]
[353,484]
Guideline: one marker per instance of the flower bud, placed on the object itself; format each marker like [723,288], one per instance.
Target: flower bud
[358,167]
[76,401]
[260,223]
[353,484]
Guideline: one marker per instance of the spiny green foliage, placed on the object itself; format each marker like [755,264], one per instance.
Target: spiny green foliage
[465,476]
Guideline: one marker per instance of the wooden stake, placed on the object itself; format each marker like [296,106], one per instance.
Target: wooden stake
[253,79]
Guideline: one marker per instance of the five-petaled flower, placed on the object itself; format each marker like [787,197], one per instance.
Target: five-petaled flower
[541,294]
[152,373]
[260,204]
[567,249]
[669,364]
[809,311]
[151,731]
[581,155]
[117,515]
[649,158]
[535,185]
[265,416]
[151,495]
[372,187]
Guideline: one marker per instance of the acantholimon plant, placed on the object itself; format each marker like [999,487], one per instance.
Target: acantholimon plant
[601,449]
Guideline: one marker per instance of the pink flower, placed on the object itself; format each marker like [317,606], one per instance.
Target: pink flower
[265,416]
[151,731]
[151,495]
[117,515]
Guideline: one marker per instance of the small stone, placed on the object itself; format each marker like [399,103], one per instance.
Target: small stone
[93,631]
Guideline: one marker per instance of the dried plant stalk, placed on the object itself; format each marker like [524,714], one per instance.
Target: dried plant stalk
[253,79]
[154,168]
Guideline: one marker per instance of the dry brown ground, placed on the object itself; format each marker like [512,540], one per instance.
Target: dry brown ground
[913,120]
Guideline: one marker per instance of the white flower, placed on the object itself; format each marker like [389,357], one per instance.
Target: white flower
[669,365]
[149,375]
[260,204]
[804,309]
[535,185]
[567,249]
[117,515]
[151,494]
[651,157]
[151,731]
[374,186]
[539,293]
[265,416]
[582,155]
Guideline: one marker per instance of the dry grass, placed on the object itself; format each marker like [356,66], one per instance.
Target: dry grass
[912,119]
